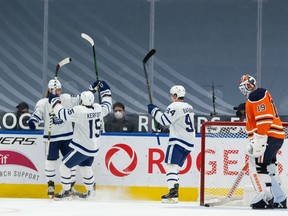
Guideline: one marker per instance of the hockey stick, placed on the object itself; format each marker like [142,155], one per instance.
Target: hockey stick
[232,190]
[145,60]
[60,64]
[91,41]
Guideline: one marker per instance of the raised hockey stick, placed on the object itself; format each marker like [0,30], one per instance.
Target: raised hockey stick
[91,41]
[232,190]
[145,60]
[60,64]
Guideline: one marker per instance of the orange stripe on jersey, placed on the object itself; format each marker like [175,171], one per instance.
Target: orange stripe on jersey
[262,115]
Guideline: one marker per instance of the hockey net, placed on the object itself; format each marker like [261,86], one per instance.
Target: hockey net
[223,155]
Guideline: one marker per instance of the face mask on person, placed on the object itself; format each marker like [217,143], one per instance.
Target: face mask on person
[118,115]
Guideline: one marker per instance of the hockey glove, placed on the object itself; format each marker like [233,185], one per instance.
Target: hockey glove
[32,124]
[258,143]
[51,96]
[93,87]
[151,107]
[103,86]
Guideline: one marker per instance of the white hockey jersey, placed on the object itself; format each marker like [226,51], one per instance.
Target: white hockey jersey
[179,116]
[87,124]
[60,130]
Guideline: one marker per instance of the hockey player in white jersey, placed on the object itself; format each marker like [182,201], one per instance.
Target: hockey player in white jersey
[85,142]
[179,116]
[60,132]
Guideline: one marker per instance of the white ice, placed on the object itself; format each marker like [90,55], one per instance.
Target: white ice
[43,207]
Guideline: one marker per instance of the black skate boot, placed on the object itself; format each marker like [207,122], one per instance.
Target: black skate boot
[172,196]
[64,194]
[86,195]
[282,204]
[262,204]
[51,189]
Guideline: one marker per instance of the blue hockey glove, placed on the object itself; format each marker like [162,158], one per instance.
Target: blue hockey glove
[51,96]
[103,86]
[93,87]
[32,124]
[151,107]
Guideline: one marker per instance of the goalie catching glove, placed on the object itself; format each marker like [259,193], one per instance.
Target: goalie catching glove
[257,145]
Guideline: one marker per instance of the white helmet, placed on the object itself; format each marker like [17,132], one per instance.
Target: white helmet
[247,84]
[87,98]
[178,90]
[54,84]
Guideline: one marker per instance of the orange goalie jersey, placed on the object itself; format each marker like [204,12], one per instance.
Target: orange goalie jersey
[262,115]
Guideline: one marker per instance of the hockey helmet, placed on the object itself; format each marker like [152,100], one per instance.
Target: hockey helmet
[87,98]
[54,84]
[247,84]
[178,90]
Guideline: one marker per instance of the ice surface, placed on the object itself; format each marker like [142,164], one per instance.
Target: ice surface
[46,207]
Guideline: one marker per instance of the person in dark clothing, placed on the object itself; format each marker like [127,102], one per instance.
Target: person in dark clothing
[240,113]
[118,122]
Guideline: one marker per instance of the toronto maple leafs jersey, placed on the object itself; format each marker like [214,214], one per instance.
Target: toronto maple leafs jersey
[60,130]
[87,124]
[179,116]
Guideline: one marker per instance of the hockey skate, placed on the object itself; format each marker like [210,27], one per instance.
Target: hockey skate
[172,196]
[282,204]
[74,191]
[51,189]
[262,204]
[64,194]
[88,194]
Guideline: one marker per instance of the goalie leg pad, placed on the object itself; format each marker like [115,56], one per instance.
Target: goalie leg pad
[279,195]
[263,198]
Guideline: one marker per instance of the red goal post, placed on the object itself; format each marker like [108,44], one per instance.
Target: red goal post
[223,155]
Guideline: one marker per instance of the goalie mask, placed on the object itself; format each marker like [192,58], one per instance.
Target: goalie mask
[247,85]
[54,84]
[178,90]
[87,98]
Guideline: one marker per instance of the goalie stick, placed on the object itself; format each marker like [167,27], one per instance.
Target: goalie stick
[91,41]
[232,190]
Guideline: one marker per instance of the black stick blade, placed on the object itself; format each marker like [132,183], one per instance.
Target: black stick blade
[149,55]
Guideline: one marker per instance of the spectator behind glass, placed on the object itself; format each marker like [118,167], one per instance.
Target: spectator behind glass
[118,122]
[21,109]
[241,113]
